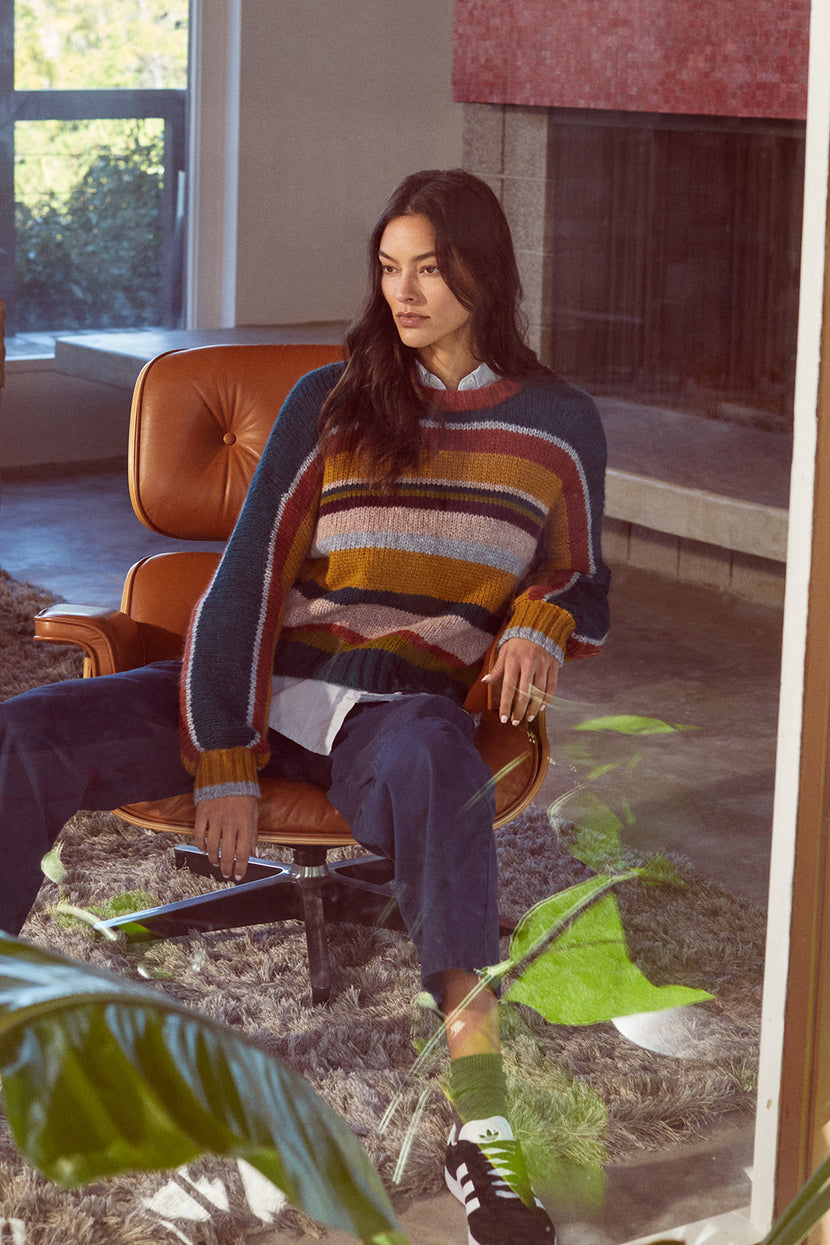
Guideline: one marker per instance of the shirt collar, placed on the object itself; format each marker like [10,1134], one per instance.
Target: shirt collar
[479,379]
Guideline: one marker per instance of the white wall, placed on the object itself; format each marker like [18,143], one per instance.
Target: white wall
[326,106]
[49,417]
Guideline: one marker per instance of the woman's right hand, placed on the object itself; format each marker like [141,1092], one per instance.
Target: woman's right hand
[523,678]
[226,829]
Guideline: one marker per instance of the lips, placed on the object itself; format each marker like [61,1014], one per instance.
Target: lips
[409,320]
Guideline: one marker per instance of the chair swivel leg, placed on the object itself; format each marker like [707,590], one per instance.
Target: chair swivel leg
[310,874]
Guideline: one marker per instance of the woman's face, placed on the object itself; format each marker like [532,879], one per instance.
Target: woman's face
[429,317]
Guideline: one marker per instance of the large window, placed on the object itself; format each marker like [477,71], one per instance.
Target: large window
[92,148]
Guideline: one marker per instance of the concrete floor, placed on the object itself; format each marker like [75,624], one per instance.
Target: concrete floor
[686,654]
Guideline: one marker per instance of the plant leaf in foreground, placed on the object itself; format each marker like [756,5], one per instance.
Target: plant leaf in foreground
[101,1075]
[573,963]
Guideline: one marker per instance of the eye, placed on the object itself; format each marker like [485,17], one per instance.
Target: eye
[387,269]
[432,270]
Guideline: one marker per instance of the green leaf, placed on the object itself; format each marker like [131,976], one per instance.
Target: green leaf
[602,769]
[52,865]
[584,975]
[124,903]
[629,724]
[101,1075]
[577,1192]
[597,833]
[659,871]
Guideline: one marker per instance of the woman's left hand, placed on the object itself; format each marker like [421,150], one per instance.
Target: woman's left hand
[524,679]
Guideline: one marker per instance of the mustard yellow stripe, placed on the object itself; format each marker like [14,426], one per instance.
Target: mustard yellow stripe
[496,470]
[443,578]
[493,469]
[293,559]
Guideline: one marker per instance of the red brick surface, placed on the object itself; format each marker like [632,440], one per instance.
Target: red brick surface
[718,57]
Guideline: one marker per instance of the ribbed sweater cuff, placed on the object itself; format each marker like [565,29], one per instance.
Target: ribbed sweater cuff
[226,771]
[544,624]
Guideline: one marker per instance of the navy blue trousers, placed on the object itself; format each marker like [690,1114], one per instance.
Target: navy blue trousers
[404,773]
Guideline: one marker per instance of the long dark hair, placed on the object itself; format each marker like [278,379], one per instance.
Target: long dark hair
[377,403]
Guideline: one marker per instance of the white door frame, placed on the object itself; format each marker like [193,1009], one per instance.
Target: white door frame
[213,163]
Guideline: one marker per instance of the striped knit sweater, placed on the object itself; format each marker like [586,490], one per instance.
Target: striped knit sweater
[327,576]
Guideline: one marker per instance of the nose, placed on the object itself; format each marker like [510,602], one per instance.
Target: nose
[407,290]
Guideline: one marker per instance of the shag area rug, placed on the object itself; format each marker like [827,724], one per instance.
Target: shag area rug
[585,1093]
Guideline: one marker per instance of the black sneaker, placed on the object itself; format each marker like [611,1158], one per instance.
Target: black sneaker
[485,1170]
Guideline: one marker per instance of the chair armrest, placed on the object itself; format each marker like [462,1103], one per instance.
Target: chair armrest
[111,640]
[518,756]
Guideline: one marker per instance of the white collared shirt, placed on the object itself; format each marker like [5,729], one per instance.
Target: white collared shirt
[479,379]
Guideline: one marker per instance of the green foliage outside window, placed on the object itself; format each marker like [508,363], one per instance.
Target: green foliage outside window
[91,257]
[88,193]
[71,44]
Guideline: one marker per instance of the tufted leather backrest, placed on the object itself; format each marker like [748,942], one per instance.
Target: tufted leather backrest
[200,419]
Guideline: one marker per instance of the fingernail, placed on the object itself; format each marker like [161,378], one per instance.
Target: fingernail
[504,719]
[531,717]
[515,721]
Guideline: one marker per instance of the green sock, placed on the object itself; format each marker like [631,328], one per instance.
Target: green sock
[478,1086]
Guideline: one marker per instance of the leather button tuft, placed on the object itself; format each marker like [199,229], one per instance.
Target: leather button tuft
[229,438]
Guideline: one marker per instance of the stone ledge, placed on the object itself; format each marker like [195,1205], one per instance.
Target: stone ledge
[695,514]
[691,561]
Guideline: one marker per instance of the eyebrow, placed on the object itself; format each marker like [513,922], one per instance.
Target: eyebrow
[417,258]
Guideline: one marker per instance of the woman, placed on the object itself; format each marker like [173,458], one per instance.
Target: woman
[439,490]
